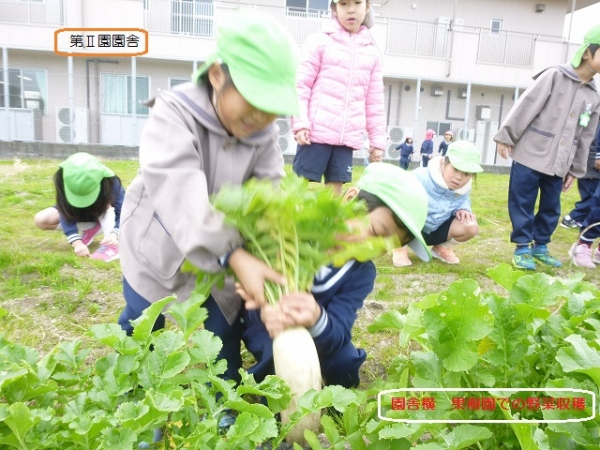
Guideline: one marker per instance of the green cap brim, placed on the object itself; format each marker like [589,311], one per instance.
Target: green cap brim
[82,201]
[266,95]
[466,166]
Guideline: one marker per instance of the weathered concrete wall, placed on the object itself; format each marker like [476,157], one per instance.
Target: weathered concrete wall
[45,150]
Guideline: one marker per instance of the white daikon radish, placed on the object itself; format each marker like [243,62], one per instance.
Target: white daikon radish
[297,362]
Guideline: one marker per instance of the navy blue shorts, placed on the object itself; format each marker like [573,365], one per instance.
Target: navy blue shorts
[317,160]
[439,236]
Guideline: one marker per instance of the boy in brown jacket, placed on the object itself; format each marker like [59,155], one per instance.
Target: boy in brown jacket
[217,129]
[548,133]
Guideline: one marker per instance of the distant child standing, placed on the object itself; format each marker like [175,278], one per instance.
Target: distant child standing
[427,147]
[548,133]
[406,151]
[89,197]
[448,139]
[586,186]
[450,221]
[340,90]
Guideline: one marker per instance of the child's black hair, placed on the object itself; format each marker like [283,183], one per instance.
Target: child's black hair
[373,202]
[89,213]
[593,48]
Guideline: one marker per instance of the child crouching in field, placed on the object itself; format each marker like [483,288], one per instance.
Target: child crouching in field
[89,197]
[450,220]
[397,205]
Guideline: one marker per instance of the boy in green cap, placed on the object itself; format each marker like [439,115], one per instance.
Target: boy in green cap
[216,129]
[397,205]
[547,134]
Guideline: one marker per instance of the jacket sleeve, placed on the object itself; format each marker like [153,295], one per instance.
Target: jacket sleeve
[69,228]
[375,115]
[308,70]
[118,196]
[526,109]
[579,164]
[173,175]
[464,204]
[338,317]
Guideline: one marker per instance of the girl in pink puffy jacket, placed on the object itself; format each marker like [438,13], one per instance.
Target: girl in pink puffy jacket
[340,89]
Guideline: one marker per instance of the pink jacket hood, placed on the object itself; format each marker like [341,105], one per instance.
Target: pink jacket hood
[340,89]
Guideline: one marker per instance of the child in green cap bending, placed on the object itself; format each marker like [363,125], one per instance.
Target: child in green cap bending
[89,197]
[218,128]
[397,205]
[548,134]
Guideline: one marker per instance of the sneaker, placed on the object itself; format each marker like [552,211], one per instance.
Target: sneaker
[106,253]
[567,222]
[400,257]
[596,256]
[581,255]
[542,254]
[522,259]
[88,235]
[226,421]
[445,254]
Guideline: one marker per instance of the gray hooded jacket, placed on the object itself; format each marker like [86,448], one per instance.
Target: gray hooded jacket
[185,156]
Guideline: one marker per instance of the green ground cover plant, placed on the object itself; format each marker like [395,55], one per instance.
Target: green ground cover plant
[51,300]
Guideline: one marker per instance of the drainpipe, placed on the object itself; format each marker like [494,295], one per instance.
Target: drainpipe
[467,106]
[88,105]
[570,27]
[6,91]
[451,50]
[134,99]
[417,107]
[71,98]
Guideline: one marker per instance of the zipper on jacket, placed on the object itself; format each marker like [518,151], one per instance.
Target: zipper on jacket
[348,89]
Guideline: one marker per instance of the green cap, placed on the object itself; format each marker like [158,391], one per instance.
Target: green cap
[404,194]
[592,37]
[464,156]
[82,174]
[262,60]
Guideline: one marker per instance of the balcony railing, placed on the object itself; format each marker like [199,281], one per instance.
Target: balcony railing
[506,48]
[46,12]
[191,17]
[416,38]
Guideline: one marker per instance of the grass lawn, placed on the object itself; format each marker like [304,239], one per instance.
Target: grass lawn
[52,295]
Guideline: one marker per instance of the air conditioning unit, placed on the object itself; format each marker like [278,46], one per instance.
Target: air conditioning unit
[437,91]
[397,135]
[72,125]
[465,134]
[287,143]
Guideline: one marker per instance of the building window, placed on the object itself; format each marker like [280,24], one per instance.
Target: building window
[193,17]
[496,26]
[439,127]
[117,98]
[175,81]
[26,89]
[317,8]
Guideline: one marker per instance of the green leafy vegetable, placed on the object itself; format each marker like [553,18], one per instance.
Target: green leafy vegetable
[295,230]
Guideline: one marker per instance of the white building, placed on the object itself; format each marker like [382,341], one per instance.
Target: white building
[448,64]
